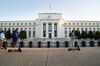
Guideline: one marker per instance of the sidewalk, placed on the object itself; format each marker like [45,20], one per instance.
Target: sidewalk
[88,56]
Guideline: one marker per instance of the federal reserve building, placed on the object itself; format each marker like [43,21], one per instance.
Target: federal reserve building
[49,27]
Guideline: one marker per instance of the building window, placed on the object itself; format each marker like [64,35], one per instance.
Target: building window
[17,23]
[5,29]
[90,28]
[5,24]
[21,23]
[50,27]
[0,29]
[77,28]
[97,23]
[9,24]
[73,28]
[25,29]
[55,29]
[65,32]
[93,23]
[33,33]
[69,32]
[25,23]
[44,26]
[85,23]
[81,29]
[44,33]
[44,29]
[13,23]
[89,23]
[98,29]
[69,23]
[86,29]
[12,29]
[21,29]
[73,23]
[55,26]
[1,24]
[77,23]
[65,23]
[8,28]
[29,23]
[33,23]
[55,33]
[81,23]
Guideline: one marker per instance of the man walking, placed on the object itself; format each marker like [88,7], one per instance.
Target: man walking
[72,39]
[2,38]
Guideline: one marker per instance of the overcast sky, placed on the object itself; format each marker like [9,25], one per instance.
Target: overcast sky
[28,9]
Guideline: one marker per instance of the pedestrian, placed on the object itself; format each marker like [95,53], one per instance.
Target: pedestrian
[72,39]
[2,38]
[14,38]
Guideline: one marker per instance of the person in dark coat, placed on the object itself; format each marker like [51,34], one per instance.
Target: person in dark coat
[14,38]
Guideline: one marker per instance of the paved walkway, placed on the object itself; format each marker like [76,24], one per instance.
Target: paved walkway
[88,56]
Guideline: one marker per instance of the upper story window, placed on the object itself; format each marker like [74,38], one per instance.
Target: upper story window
[33,23]
[97,23]
[77,23]
[50,26]
[44,26]
[90,28]
[5,24]
[65,28]
[55,26]
[89,23]
[85,23]
[21,29]
[13,23]
[97,28]
[69,23]
[21,23]
[29,23]
[65,23]
[17,23]
[25,29]
[81,23]
[93,23]
[25,23]
[9,23]
[73,23]
[77,28]
[30,29]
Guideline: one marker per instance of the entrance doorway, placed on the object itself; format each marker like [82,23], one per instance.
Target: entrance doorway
[50,35]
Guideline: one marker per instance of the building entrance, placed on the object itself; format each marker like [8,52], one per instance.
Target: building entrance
[50,35]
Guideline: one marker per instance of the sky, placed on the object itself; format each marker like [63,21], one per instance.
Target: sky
[29,9]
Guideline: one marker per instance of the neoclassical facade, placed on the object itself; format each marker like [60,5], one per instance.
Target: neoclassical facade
[50,26]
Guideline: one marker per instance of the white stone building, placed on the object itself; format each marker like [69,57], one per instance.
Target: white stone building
[49,26]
